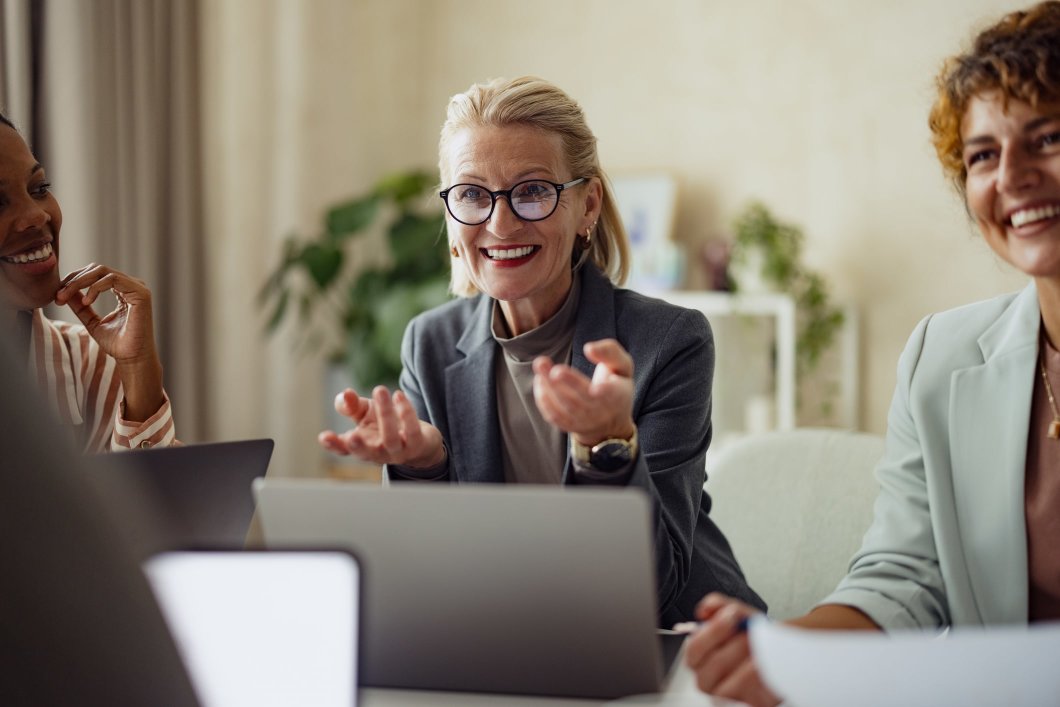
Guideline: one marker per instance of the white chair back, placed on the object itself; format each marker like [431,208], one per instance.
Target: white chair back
[795,506]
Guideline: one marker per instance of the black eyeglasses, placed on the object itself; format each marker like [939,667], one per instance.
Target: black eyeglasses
[532,200]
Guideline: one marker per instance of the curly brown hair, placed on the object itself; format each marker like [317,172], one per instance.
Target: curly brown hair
[1019,56]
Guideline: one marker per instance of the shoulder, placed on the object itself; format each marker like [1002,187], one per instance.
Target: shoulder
[641,316]
[72,336]
[955,334]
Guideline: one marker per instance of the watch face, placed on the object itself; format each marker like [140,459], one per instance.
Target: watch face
[610,455]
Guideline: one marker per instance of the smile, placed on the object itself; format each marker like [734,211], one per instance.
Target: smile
[1025,216]
[35,256]
[510,253]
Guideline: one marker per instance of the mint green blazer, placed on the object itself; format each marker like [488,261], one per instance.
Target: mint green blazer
[948,544]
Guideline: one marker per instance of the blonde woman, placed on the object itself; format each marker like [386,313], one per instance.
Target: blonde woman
[544,371]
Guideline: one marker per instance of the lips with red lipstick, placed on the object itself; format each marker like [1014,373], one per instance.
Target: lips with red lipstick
[510,255]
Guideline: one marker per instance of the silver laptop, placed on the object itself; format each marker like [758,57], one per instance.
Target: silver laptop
[526,590]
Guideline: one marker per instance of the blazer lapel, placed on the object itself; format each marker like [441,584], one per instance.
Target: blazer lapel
[990,413]
[471,403]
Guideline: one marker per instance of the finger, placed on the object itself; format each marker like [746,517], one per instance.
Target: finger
[710,604]
[611,354]
[542,365]
[94,290]
[349,404]
[80,279]
[386,418]
[717,631]
[722,662]
[332,442]
[410,423]
[745,684]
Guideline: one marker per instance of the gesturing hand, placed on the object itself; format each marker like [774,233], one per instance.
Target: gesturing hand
[127,333]
[387,431]
[590,410]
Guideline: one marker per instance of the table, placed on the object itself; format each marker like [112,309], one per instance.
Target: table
[681,692]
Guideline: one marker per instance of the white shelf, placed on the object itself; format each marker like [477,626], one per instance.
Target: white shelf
[779,353]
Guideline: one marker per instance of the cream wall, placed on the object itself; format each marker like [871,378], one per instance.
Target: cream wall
[816,107]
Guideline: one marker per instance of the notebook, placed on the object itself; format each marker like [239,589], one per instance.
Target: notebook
[200,493]
[263,629]
[526,590]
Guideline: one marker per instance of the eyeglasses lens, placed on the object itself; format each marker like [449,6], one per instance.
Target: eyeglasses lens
[532,201]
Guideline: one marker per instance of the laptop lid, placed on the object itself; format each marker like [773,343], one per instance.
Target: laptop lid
[262,628]
[528,590]
[201,493]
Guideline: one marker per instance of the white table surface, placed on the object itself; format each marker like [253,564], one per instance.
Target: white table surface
[681,692]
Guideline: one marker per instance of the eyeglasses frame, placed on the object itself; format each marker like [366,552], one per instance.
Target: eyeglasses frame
[507,194]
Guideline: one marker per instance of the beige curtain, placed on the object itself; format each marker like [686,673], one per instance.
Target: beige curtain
[16,63]
[120,137]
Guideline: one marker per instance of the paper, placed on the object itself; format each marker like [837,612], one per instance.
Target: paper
[1011,666]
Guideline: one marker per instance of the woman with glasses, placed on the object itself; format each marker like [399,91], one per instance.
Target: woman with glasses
[968,518]
[103,379]
[544,372]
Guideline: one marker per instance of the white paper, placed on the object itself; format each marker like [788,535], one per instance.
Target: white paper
[1011,666]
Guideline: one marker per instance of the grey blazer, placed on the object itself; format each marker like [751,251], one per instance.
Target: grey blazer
[948,545]
[448,357]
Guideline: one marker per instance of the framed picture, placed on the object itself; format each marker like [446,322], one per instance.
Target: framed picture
[647,203]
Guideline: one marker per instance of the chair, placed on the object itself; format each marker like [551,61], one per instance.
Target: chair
[795,506]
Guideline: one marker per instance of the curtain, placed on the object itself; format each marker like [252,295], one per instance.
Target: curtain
[18,29]
[120,137]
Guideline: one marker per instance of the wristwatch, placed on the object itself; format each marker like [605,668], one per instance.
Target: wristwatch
[609,455]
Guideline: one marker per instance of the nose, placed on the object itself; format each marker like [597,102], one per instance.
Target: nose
[503,221]
[1016,171]
[31,216]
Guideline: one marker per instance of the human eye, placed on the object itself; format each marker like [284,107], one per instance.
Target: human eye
[978,157]
[534,191]
[470,194]
[1050,139]
[41,190]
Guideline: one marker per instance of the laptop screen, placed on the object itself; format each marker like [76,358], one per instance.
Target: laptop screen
[263,628]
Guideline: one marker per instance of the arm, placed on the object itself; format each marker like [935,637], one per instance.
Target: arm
[670,381]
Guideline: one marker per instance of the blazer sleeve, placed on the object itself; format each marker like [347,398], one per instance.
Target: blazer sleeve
[895,576]
[672,376]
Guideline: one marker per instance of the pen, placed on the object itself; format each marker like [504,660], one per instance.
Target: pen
[689,627]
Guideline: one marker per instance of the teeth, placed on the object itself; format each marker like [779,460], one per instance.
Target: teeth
[1022,218]
[509,253]
[42,253]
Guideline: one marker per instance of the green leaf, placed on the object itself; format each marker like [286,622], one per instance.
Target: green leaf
[278,312]
[351,217]
[403,187]
[323,261]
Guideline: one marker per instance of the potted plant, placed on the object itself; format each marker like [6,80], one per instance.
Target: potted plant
[367,304]
[767,254]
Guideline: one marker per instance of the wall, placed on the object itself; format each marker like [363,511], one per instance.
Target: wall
[817,108]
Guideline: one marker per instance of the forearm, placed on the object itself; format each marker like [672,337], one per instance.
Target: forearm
[142,387]
[837,617]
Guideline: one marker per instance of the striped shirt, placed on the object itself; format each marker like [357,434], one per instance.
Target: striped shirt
[82,387]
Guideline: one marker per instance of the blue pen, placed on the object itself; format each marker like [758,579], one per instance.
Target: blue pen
[690,627]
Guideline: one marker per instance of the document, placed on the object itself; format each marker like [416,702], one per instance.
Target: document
[1012,666]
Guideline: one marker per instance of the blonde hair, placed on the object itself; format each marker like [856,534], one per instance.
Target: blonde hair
[536,103]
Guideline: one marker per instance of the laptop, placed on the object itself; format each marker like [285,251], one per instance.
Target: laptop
[200,493]
[477,588]
[263,629]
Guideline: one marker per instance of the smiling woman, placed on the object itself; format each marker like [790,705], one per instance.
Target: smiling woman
[966,525]
[104,378]
[547,372]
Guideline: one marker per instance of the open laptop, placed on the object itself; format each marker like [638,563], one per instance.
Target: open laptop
[200,493]
[527,590]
